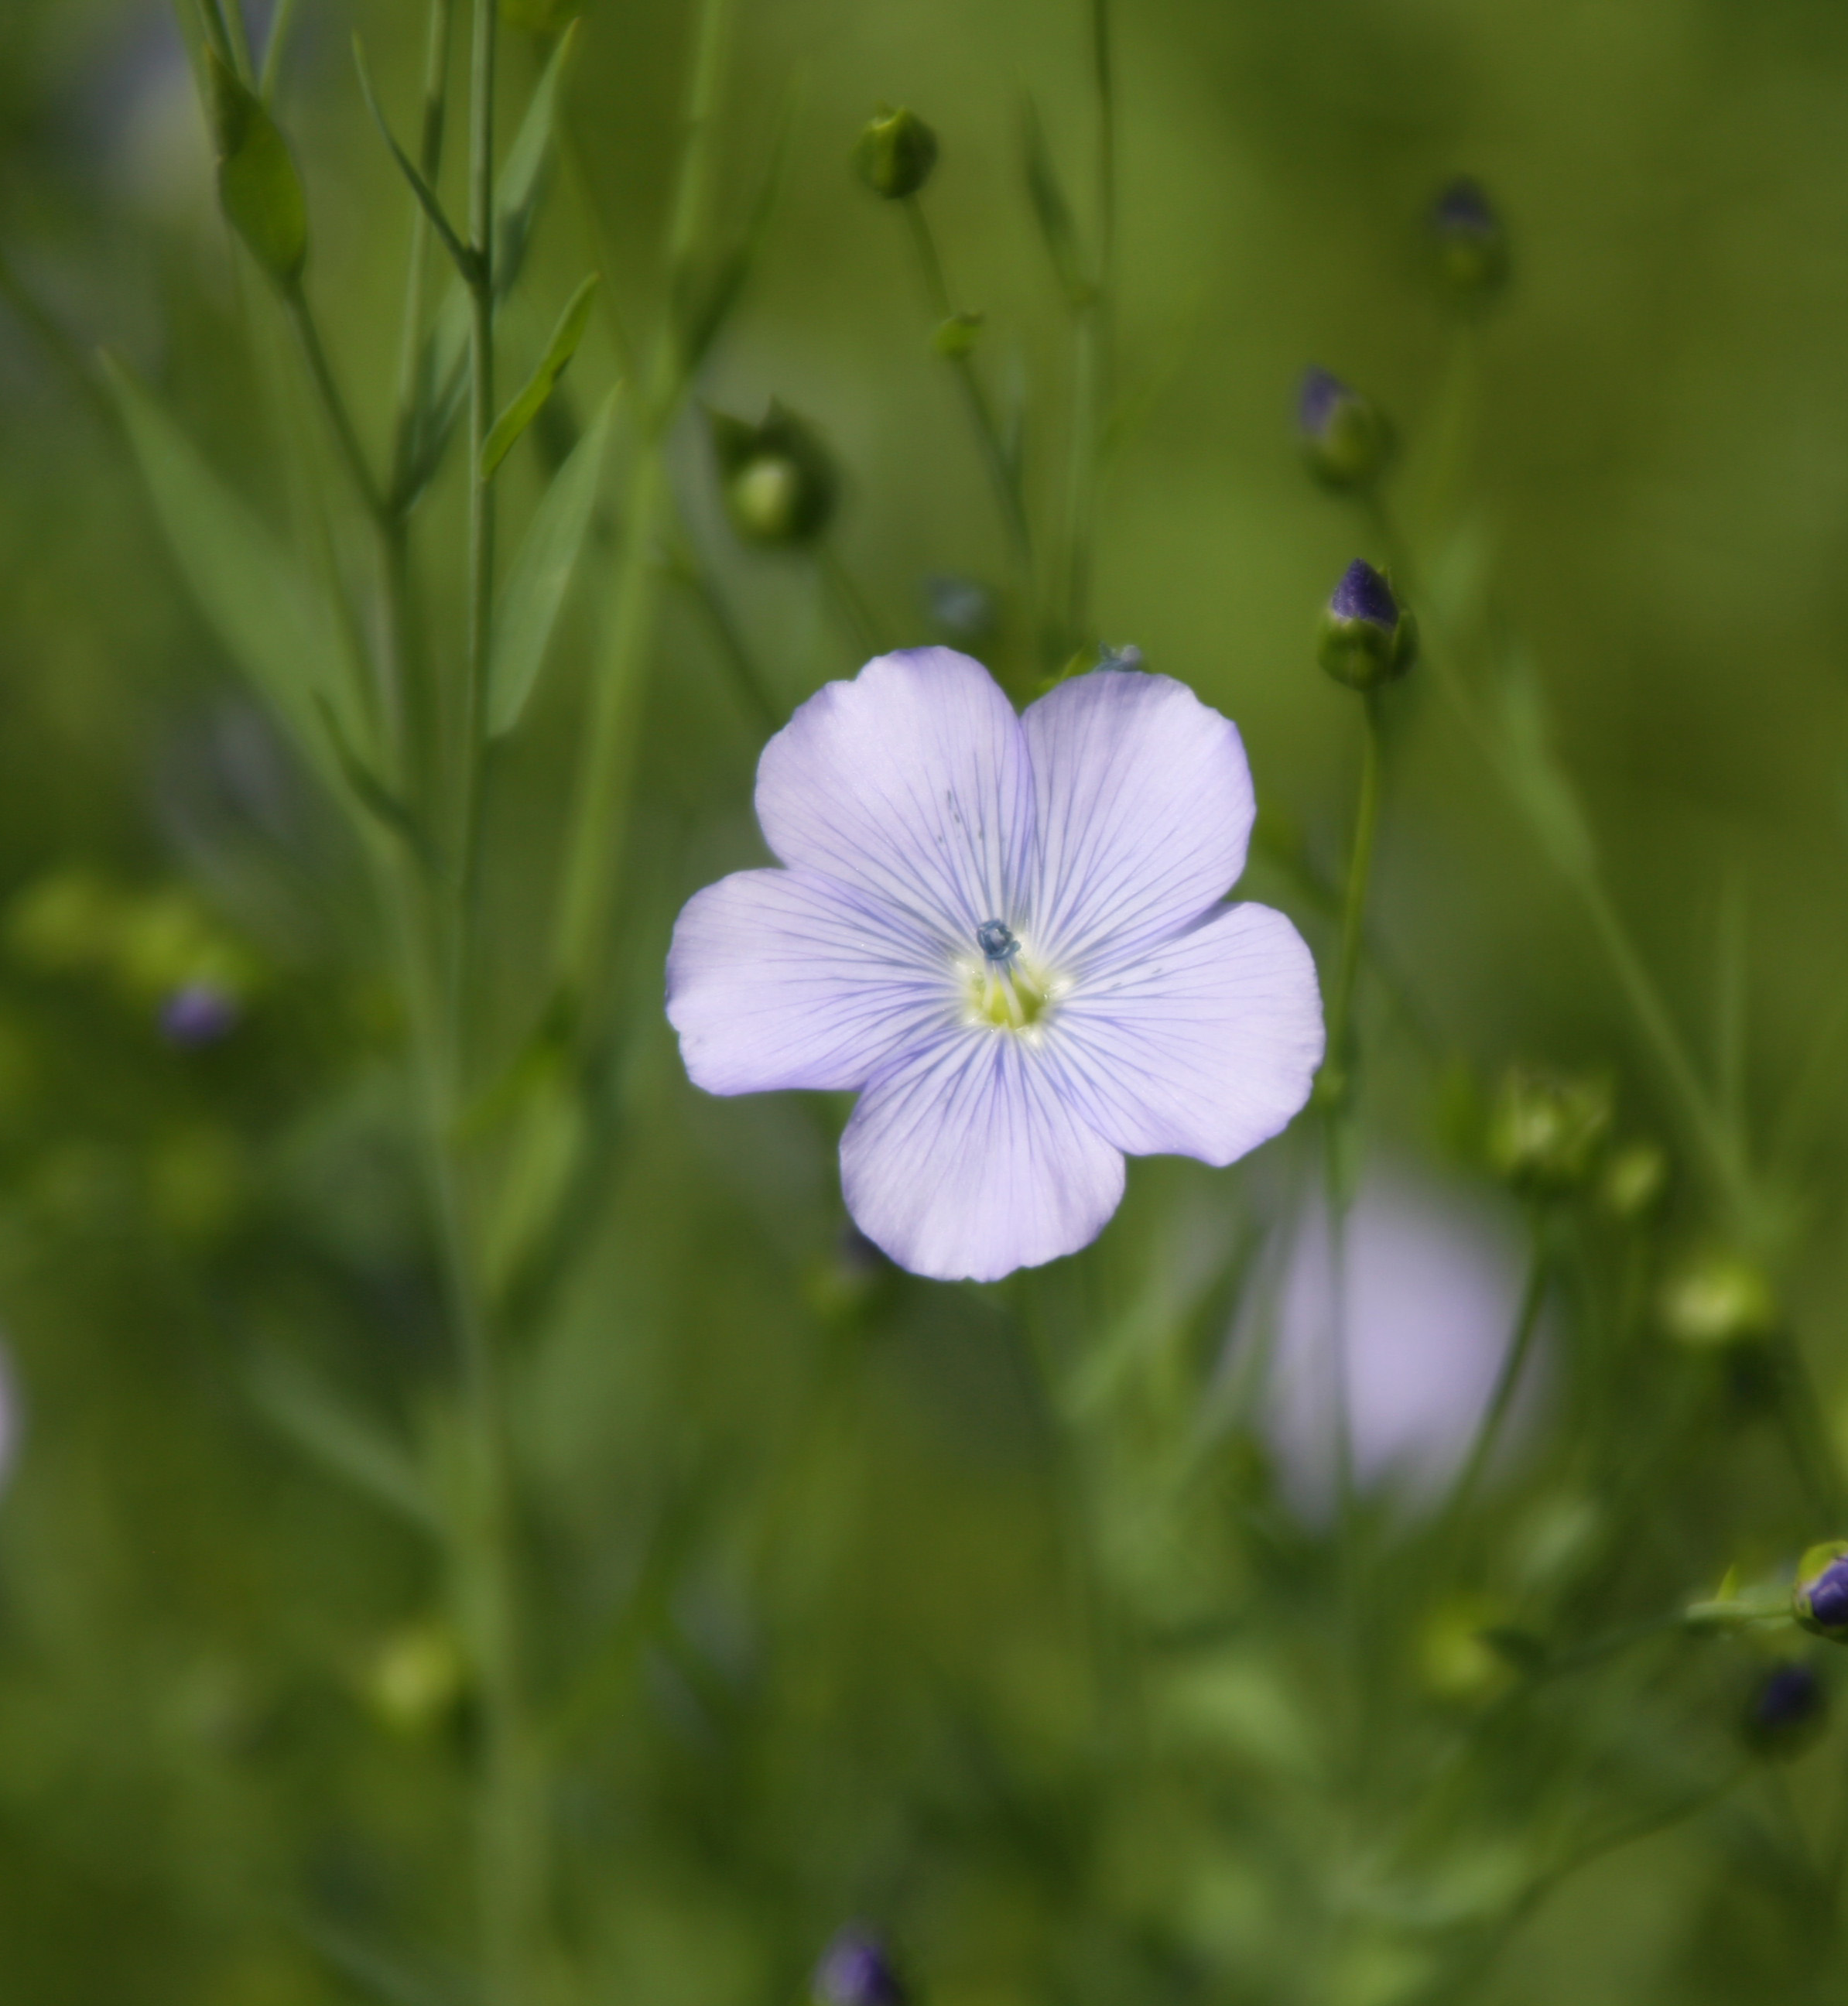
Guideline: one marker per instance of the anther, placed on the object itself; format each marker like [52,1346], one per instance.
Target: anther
[996,940]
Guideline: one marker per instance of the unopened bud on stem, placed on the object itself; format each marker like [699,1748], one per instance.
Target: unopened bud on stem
[896,153]
[1345,439]
[779,480]
[1367,637]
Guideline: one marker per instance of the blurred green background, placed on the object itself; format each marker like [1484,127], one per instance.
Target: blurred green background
[795,1526]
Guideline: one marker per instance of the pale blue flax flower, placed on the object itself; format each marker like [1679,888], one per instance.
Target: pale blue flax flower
[1006,933]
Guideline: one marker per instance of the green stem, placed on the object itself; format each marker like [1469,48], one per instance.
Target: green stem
[327,389]
[281,23]
[593,856]
[1004,474]
[1360,872]
[855,615]
[753,685]
[1508,1382]
[481,509]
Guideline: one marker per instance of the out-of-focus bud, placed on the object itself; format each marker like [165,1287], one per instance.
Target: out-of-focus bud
[416,1678]
[896,153]
[1546,1132]
[1634,1181]
[1367,637]
[1819,1601]
[198,1013]
[1472,246]
[856,1969]
[1786,1710]
[1346,440]
[257,185]
[963,607]
[779,480]
[1461,1658]
[1718,1301]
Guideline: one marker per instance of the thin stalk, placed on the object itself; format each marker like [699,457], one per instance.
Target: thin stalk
[333,404]
[280,23]
[855,615]
[1002,472]
[1508,1381]
[481,509]
[430,157]
[1360,872]
[592,857]
[240,38]
[753,686]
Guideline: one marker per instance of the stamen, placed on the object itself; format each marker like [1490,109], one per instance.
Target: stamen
[996,940]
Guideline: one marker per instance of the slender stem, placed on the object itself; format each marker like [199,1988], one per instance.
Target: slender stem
[753,686]
[1360,872]
[430,155]
[1508,1381]
[280,23]
[239,37]
[333,404]
[856,614]
[593,856]
[1002,472]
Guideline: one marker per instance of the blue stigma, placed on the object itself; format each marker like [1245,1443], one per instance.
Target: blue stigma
[996,940]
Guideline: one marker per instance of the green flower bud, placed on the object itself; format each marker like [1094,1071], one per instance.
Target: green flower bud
[779,481]
[1634,1181]
[1367,637]
[1471,244]
[1345,439]
[258,185]
[1546,1132]
[1819,1601]
[896,153]
[1718,1301]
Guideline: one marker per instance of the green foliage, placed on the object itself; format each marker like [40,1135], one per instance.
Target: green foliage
[257,183]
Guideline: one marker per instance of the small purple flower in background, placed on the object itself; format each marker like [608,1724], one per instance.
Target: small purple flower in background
[198,1013]
[1005,933]
[856,1970]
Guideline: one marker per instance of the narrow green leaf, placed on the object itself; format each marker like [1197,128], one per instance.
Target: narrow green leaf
[258,187]
[344,1444]
[544,380]
[1051,210]
[540,575]
[273,622]
[442,374]
[1542,791]
[465,260]
[372,793]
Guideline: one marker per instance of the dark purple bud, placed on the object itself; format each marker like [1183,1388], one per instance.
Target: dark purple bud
[1826,1597]
[1787,1707]
[1363,594]
[1472,244]
[1344,437]
[1367,637]
[198,1013]
[855,1970]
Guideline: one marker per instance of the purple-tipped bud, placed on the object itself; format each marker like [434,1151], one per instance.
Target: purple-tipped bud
[1787,1709]
[198,1013]
[1345,439]
[1367,637]
[1822,1598]
[856,1970]
[1472,246]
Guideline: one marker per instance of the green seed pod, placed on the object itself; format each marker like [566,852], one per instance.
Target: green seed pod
[896,153]
[1367,637]
[1545,1133]
[779,480]
[1346,440]
[258,187]
[1718,1301]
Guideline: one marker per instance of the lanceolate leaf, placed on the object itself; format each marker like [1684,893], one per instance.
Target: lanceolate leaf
[276,627]
[544,380]
[541,576]
[257,185]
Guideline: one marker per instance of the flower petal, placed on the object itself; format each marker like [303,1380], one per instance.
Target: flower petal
[964,1162]
[1144,807]
[784,978]
[1207,1048]
[910,783]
